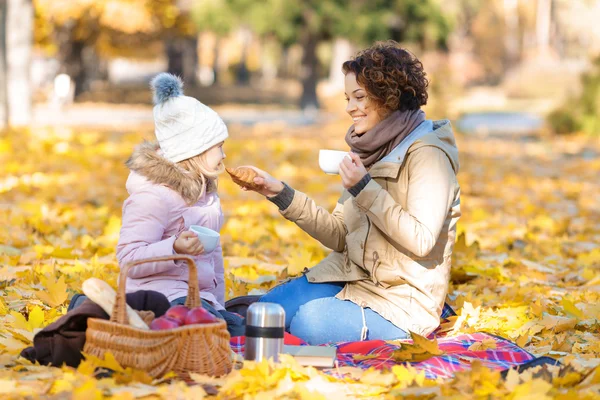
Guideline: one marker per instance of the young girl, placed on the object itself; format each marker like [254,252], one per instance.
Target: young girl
[172,185]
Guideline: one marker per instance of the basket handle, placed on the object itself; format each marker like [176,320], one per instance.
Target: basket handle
[119,313]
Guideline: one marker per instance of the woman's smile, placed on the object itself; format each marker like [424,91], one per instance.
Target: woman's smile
[363,112]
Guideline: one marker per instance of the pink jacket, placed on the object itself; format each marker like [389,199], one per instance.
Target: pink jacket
[154,214]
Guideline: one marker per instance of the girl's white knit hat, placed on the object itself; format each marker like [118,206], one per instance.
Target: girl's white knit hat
[184,127]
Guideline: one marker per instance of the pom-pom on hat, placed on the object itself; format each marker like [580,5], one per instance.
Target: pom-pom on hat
[184,127]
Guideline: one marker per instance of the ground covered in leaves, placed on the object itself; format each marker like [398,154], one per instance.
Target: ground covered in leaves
[526,267]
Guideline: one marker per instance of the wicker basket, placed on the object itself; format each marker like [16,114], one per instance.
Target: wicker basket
[201,348]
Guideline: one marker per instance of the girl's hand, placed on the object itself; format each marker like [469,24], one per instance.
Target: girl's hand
[268,186]
[352,170]
[188,243]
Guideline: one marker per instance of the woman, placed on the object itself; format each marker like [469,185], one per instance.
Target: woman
[392,231]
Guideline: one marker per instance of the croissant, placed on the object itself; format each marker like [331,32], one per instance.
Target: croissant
[244,177]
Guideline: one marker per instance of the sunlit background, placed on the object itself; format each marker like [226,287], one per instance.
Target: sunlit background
[515,66]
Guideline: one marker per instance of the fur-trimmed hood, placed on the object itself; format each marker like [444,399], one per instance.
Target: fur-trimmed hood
[148,162]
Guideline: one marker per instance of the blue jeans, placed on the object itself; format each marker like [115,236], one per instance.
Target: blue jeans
[314,314]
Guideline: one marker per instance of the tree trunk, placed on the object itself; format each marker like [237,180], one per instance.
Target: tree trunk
[242,73]
[190,60]
[182,54]
[70,56]
[283,67]
[3,72]
[19,41]
[543,26]
[216,60]
[511,38]
[310,71]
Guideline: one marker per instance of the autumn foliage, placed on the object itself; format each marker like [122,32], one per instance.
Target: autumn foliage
[526,265]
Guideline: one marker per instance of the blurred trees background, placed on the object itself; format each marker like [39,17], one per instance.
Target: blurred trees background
[310,23]
[279,42]
[84,34]
[16,41]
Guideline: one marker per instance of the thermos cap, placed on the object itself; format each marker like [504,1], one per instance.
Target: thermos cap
[267,315]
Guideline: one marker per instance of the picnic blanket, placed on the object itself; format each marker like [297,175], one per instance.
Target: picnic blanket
[457,356]
[500,354]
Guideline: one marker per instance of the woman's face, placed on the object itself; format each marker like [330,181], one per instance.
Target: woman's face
[215,156]
[363,112]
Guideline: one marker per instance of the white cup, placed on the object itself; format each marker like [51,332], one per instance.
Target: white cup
[208,237]
[329,160]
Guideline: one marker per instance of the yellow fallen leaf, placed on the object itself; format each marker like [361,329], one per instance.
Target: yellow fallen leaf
[571,309]
[36,318]
[468,251]
[55,292]
[35,321]
[109,361]
[3,308]
[407,374]
[522,340]
[298,262]
[88,391]
[421,349]
[486,344]
[430,346]
[536,389]
[234,287]
[558,324]
[589,259]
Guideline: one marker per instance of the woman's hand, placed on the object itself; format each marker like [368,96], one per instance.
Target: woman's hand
[268,186]
[352,170]
[188,243]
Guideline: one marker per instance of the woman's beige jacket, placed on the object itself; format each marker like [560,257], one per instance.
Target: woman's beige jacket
[393,242]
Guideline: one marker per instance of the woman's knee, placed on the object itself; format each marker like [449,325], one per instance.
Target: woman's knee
[315,321]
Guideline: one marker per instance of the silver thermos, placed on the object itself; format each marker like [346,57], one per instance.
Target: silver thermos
[265,324]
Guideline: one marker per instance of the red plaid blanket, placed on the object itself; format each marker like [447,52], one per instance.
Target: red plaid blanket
[456,357]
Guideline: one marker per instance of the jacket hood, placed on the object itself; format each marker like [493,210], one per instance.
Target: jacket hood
[429,133]
[441,137]
[148,167]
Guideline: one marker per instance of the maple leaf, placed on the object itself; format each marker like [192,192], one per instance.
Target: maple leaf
[485,344]
[406,374]
[522,340]
[536,389]
[299,261]
[88,391]
[55,293]
[108,362]
[35,321]
[589,259]
[235,288]
[468,251]
[570,309]
[558,324]
[3,308]
[421,349]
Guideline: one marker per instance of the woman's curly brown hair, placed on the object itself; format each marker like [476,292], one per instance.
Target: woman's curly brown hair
[393,77]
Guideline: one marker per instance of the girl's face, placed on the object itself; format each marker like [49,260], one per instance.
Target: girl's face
[363,112]
[214,157]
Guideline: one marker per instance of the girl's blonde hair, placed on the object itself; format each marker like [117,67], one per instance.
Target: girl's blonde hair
[199,170]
